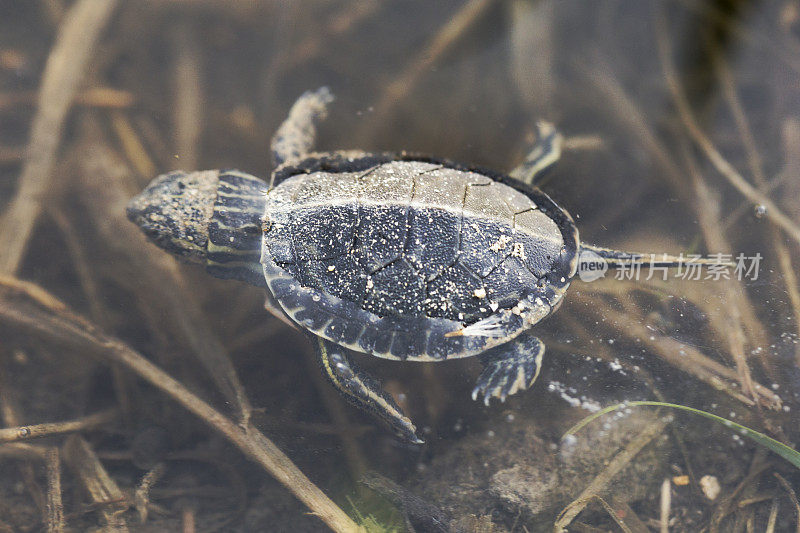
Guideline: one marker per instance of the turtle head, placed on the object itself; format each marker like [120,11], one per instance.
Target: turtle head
[211,217]
[175,210]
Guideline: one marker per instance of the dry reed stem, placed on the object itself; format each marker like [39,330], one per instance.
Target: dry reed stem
[792,496]
[23,451]
[731,95]
[725,504]
[790,141]
[614,467]
[160,288]
[245,11]
[601,351]
[708,214]
[188,520]
[686,115]
[627,113]
[22,305]
[681,356]
[715,13]
[359,431]
[700,296]
[11,416]
[405,82]
[708,210]
[531,43]
[759,458]
[103,97]
[745,502]
[141,496]
[257,335]
[666,505]
[80,260]
[103,490]
[725,508]
[623,511]
[354,455]
[314,45]
[188,102]
[614,514]
[54,10]
[159,150]
[68,60]
[20,433]
[132,145]
[773,517]
[55,507]
[790,137]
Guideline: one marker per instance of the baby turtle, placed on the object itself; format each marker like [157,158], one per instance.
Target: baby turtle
[395,255]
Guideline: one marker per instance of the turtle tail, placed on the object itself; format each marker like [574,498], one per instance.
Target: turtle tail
[617,258]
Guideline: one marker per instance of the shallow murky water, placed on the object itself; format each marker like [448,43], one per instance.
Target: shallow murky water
[681,136]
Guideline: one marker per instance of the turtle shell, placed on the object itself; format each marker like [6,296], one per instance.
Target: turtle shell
[413,245]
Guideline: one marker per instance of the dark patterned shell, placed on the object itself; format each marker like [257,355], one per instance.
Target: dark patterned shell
[418,239]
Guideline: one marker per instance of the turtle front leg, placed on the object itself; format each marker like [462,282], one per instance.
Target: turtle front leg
[510,367]
[545,153]
[362,389]
[296,136]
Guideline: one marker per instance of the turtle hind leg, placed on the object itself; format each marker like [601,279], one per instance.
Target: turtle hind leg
[296,136]
[362,389]
[508,368]
[545,154]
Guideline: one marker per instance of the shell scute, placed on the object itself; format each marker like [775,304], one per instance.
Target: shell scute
[440,187]
[487,201]
[381,235]
[543,244]
[340,276]
[397,289]
[343,331]
[278,237]
[371,338]
[485,244]
[311,319]
[324,186]
[323,231]
[391,182]
[408,342]
[509,282]
[515,201]
[433,240]
[452,294]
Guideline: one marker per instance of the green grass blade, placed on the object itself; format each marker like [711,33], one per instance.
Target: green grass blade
[790,454]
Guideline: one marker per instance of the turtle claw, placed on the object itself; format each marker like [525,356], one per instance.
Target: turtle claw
[409,434]
[494,381]
[509,368]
